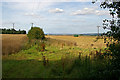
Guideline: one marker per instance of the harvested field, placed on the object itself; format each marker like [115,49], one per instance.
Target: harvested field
[82,41]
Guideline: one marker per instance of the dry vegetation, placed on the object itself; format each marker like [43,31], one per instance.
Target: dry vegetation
[82,41]
[12,43]
[59,42]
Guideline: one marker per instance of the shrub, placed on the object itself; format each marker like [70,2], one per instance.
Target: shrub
[40,46]
[36,33]
[75,35]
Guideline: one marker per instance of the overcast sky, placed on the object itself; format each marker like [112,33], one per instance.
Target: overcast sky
[66,17]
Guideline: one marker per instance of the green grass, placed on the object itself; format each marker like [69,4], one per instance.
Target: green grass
[62,63]
[54,69]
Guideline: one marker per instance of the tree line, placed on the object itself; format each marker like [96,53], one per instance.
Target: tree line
[12,31]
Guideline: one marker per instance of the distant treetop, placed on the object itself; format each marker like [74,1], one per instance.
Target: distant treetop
[12,31]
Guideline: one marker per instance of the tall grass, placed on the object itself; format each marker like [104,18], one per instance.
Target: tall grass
[84,68]
[12,43]
[60,59]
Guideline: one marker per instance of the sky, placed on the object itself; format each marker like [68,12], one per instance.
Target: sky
[63,17]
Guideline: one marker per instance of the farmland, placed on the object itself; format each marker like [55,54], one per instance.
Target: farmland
[64,57]
[82,41]
[12,43]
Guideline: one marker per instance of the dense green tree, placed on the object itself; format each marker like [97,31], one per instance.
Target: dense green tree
[12,31]
[113,35]
[113,24]
[36,33]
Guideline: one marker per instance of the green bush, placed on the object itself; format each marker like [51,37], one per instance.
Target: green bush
[36,33]
[75,35]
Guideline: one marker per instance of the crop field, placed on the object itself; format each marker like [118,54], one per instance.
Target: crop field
[82,41]
[12,43]
[63,57]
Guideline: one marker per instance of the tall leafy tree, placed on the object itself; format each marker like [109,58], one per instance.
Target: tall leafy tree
[36,33]
[113,35]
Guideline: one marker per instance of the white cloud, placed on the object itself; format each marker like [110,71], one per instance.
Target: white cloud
[55,0]
[47,0]
[35,16]
[29,8]
[78,20]
[26,6]
[84,11]
[56,10]
[88,11]
[101,12]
